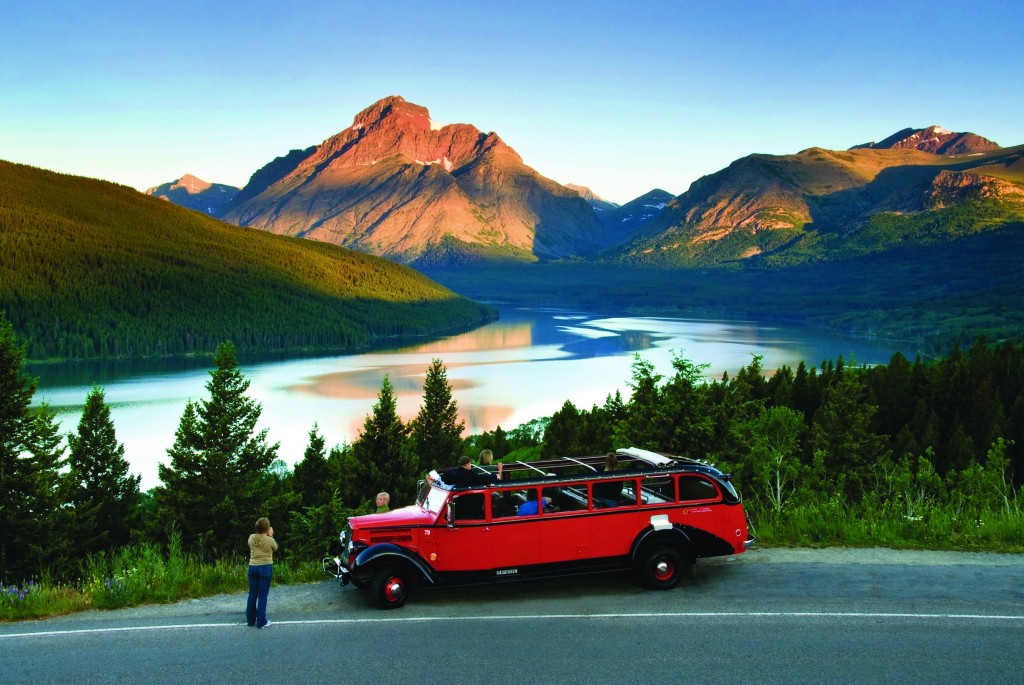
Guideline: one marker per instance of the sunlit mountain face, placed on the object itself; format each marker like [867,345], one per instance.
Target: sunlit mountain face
[397,184]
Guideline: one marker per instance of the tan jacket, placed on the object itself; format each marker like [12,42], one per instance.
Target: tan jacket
[262,548]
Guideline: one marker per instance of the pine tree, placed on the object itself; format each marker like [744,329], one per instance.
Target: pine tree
[562,436]
[437,430]
[104,495]
[686,412]
[346,472]
[381,453]
[841,433]
[216,482]
[314,483]
[16,469]
[641,426]
[48,531]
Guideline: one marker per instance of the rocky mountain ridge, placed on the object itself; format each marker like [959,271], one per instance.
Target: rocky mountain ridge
[396,184]
[816,204]
[934,139]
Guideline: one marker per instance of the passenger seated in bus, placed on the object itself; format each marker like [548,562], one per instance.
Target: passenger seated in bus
[607,493]
[486,460]
[502,505]
[465,475]
[529,508]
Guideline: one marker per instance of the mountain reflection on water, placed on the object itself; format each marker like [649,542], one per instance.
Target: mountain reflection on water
[521,367]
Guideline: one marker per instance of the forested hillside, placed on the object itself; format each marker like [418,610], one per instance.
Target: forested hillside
[93,269]
[930,297]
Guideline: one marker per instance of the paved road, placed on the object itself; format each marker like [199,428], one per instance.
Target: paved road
[793,616]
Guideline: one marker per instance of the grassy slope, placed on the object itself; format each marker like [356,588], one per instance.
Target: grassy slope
[90,268]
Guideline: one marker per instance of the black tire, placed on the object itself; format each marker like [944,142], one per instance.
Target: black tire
[661,568]
[390,587]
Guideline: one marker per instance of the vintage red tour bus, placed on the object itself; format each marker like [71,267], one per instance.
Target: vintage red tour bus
[653,513]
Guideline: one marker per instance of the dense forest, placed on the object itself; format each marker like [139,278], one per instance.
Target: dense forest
[906,454]
[92,269]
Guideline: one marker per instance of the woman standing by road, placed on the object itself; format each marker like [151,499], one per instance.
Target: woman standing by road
[261,569]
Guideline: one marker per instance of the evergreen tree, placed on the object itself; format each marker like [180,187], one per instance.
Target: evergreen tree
[437,431]
[806,394]
[780,388]
[841,435]
[216,483]
[734,402]
[105,496]
[499,445]
[314,482]
[48,531]
[614,408]
[562,436]
[382,457]
[641,426]
[595,435]
[688,419]
[16,391]
[346,472]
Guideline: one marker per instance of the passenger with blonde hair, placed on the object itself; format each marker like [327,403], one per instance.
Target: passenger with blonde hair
[486,461]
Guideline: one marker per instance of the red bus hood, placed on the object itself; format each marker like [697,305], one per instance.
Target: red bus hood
[406,516]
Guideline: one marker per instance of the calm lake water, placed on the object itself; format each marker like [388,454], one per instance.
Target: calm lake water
[521,367]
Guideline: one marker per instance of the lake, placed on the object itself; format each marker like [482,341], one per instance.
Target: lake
[521,367]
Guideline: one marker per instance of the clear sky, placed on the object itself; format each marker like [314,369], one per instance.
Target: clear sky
[620,96]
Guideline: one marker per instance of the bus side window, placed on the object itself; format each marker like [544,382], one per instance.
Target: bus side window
[468,507]
[696,488]
[613,493]
[658,490]
[571,498]
[502,504]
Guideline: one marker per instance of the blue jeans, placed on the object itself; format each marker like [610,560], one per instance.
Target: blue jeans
[259,588]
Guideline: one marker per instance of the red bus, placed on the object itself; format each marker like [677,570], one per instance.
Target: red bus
[653,513]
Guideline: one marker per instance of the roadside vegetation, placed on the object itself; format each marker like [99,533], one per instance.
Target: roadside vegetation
[907,455]
[144,573]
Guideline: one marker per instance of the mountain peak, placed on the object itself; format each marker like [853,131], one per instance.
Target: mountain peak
[396,184]
[195,193]
[934,139]
[585,192]
[191,184]
[393,107]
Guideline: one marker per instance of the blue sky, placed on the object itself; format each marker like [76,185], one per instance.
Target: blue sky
[619,96]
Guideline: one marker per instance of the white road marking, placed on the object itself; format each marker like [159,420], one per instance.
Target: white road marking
[534,617]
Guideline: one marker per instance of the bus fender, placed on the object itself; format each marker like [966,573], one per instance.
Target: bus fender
[386,552]
[661,532]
